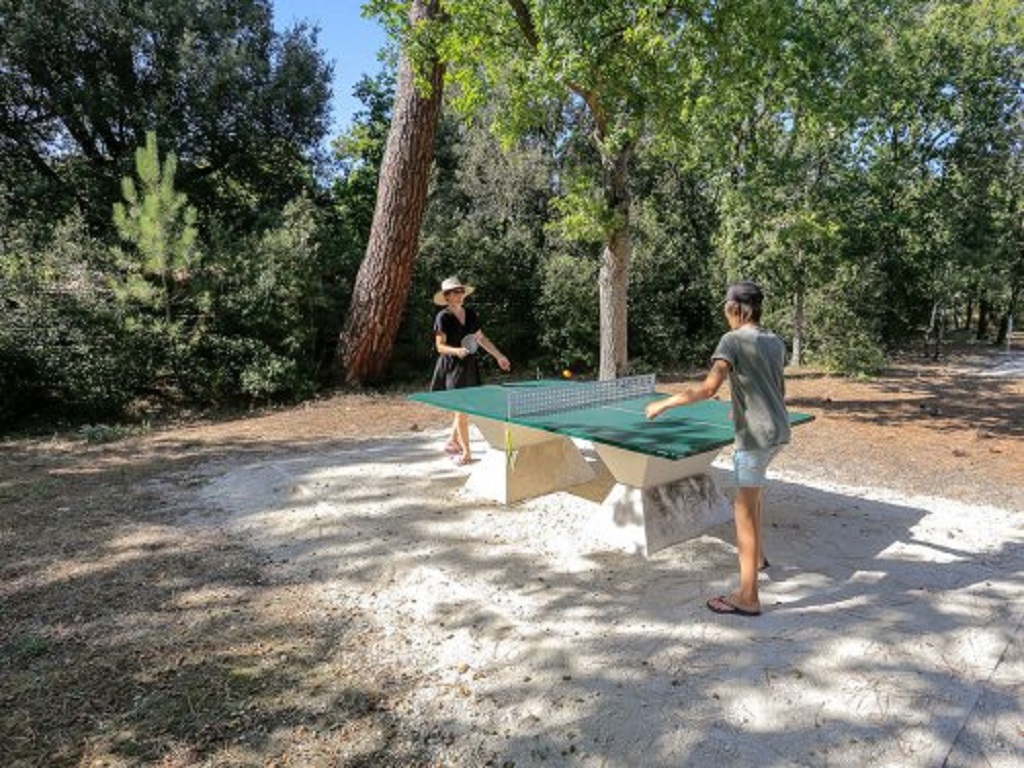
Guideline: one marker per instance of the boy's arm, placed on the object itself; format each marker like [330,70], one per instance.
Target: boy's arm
[693,394]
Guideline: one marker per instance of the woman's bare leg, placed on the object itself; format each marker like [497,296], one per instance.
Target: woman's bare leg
[462,430]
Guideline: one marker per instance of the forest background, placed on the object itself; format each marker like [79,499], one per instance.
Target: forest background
[178,229]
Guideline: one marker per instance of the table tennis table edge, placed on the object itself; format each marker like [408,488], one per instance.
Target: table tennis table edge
[706,446]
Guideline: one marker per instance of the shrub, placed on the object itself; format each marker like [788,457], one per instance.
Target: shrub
[221,369]
[569,314]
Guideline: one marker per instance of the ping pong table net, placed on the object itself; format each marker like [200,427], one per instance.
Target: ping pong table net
[571,396]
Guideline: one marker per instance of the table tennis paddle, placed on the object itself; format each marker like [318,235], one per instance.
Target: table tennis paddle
[470,343]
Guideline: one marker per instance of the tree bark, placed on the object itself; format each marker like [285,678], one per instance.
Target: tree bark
[799,322]
[382,284]
[613,278]
[934,333]
[984,308]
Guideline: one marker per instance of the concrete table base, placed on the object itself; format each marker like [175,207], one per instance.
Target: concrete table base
[659,502]
[655,503]
[646,520]
[539,462]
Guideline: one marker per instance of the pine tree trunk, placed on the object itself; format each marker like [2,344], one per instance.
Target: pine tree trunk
[613,278]
[382,284]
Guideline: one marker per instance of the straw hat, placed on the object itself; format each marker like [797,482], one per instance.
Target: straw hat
[449,284]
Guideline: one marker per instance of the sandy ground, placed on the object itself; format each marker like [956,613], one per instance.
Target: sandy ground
[891,634]
[308,586]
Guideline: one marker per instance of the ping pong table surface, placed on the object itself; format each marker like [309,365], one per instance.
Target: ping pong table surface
[675,434]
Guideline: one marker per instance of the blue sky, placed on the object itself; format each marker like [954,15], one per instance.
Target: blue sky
[348,40]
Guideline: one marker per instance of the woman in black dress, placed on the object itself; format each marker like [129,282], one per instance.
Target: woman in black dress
[456,327]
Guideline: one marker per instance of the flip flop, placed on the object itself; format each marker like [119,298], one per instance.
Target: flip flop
[722,604]
[461,461]
[452,448]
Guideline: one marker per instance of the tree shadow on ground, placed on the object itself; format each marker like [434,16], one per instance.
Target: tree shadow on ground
[343,604]
[869,651]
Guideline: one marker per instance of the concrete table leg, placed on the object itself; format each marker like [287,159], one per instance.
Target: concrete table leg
[658,502]
[647,520]
[538,463]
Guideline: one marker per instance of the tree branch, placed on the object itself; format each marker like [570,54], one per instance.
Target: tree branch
[526,25]
[525,21]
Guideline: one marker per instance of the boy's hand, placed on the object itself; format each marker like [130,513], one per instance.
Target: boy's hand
[653,409]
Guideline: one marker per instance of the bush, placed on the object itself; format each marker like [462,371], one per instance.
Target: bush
[17,376]
[64,347]
[220,369]
[62,357]
[568,314]
[841,341]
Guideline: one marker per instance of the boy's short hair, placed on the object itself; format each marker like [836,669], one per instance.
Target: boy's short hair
[745,292]
[747,297]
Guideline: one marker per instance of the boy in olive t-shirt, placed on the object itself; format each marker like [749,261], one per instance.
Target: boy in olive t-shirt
[753,359]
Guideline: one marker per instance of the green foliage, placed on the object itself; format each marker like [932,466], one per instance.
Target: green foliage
[862,161]
[484,222]
[674,317]
[360,149]
[160,225]
[359,152]
[244,325]
[64,349]
[226,369]
[880,157]
[242,107]
[842,321]
[583,215]
[842,342]
[261,335]
[568,314]
[106,433]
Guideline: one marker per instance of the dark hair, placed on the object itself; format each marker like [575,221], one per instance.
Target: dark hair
[749,313]
[746,296]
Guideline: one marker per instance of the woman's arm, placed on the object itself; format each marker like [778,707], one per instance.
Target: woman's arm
[693,394]
[487,344]
[444,348]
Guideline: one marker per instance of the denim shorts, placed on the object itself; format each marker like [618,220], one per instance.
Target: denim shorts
[750,467]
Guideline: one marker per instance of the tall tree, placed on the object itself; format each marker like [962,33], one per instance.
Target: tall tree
[382,284]
[621,67]
[597,56]
[160,224]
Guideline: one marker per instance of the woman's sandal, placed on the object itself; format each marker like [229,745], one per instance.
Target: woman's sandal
[452,448]
[462,460]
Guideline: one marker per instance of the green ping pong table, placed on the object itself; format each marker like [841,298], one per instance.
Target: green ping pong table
[664,492]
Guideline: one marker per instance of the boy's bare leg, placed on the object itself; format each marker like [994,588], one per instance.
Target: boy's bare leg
[748,543]
[762,561]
